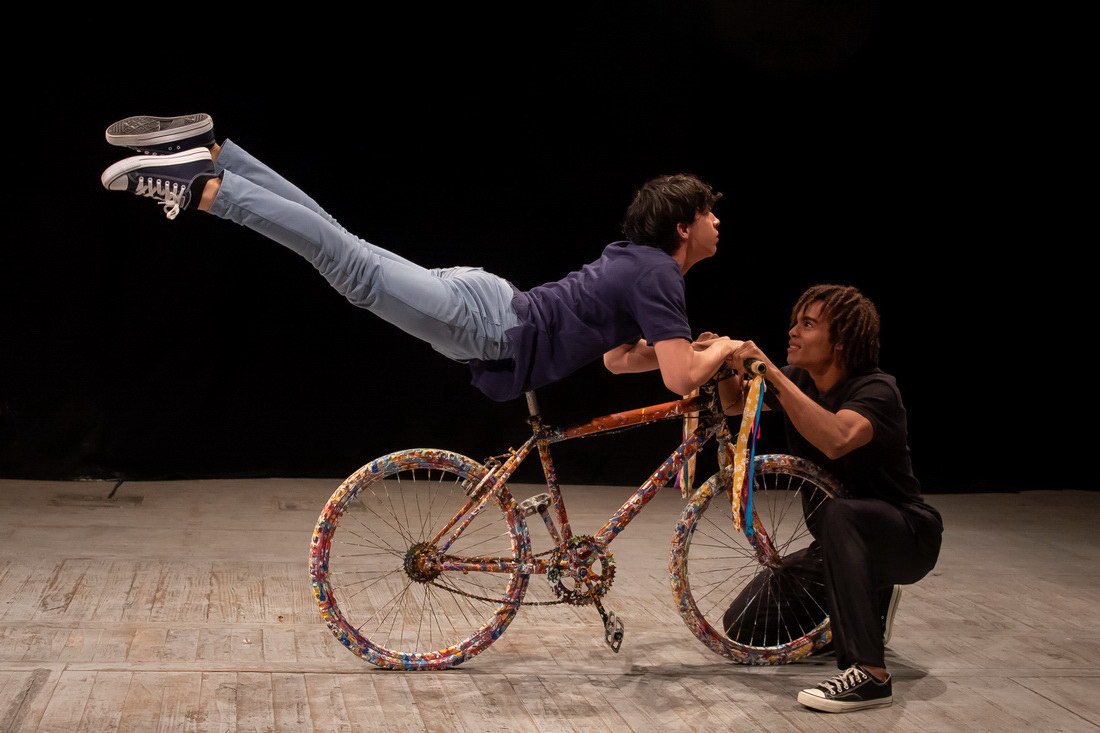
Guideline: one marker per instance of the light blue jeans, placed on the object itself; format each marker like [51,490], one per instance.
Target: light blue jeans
[463,312]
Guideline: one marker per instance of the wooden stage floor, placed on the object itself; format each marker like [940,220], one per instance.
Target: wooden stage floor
[185,606]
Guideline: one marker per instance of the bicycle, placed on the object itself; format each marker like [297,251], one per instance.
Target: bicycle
[428,541]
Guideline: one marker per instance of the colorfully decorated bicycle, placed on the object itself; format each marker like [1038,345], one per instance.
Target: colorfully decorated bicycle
[422,558]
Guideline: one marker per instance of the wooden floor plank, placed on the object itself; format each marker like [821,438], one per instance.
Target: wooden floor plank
[327,709]
[22,587]
[67,703]
[255,702]
[142,594]
[437,713]
[103,713]
[190,637]
[183,593]
[387,693]
[141,705]
[217,702]
[1076,695]
[24,695]
[279,644]
[286,593]
[236,593]
[115,594]
[290,703]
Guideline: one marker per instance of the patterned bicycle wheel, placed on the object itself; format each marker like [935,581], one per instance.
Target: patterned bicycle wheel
[758,599]
[376,566]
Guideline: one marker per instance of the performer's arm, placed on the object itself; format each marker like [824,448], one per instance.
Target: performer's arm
[641,357]
[683,367]
[631,358]
[834,434]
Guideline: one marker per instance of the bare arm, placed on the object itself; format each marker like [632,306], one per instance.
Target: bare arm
[631,358]
[641,357]
[733,397]
[685,365]
[834,434]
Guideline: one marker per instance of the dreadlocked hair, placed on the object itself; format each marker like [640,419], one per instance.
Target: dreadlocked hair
[853,323]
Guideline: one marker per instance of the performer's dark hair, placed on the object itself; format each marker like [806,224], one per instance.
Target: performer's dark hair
[661,204]
[853,323]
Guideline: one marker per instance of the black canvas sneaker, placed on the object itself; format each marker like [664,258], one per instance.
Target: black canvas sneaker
[162,135]
[852,689]
[167,179]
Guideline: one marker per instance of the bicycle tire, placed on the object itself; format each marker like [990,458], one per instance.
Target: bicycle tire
[788,619]
[376,601]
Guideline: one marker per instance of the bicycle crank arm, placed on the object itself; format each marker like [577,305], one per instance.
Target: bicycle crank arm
[613,629]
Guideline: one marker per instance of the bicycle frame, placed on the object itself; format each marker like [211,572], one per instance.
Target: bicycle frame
[712,424]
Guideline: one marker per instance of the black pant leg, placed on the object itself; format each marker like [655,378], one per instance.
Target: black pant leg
[868,545]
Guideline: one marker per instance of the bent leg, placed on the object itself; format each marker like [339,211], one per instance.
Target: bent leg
[462,312]
[867,546]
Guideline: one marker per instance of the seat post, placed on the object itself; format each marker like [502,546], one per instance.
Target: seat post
[532,403]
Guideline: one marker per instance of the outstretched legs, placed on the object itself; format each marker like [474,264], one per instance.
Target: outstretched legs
[463,312]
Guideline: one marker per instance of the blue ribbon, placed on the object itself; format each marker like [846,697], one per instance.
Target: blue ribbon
[752,459]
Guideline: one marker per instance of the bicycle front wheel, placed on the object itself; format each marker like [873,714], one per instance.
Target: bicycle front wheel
[755,598]
[387,584]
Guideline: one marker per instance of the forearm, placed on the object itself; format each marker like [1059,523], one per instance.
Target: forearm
[733,397]
[827,431]
[703,366]
[629,359]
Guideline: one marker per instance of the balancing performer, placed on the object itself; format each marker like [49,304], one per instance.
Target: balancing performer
[845,414]
[627,306]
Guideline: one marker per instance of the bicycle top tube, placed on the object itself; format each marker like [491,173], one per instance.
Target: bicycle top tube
[703,402]
[639,416]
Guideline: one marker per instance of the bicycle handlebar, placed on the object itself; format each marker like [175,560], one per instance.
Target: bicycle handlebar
[752,367]
[755,366]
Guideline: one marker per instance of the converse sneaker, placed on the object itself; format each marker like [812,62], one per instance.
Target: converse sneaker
[162,135]
[888,615]
[168,179]
[852,689]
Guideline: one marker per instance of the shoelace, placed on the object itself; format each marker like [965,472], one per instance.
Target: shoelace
[170,197]
[846,680]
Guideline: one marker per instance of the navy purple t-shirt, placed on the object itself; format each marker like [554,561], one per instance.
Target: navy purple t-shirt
[631,292]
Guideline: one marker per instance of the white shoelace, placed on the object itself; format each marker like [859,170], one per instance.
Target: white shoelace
[846,680]
[170,197]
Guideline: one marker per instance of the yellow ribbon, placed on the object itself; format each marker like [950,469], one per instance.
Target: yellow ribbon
[687,469]
[741,450]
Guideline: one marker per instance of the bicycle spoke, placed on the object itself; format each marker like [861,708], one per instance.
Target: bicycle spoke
[385,582]
[752,600]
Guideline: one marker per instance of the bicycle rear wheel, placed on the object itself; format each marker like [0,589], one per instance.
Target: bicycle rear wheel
[758,599]
[377,572]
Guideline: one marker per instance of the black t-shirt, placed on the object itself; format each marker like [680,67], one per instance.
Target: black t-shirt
[881,469]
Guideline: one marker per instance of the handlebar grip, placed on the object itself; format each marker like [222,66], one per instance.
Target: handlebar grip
[755,366]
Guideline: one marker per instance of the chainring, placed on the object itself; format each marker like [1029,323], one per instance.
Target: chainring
[572,571]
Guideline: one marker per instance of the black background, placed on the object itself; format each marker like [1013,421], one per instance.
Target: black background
[879,145]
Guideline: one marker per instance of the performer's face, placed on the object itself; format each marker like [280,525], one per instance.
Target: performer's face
[702,236]
[808,342]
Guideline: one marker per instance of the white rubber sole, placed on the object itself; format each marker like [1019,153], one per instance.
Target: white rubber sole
[145,130]
[114,178]
[837,706]
[891,611]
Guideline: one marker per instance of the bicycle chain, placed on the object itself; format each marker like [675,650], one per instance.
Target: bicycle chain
[456,591]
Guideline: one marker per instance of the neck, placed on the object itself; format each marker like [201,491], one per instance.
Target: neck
[826,377]
[681,258]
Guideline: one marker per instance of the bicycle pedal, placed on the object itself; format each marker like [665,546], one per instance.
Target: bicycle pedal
[613,632]
[537,503]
